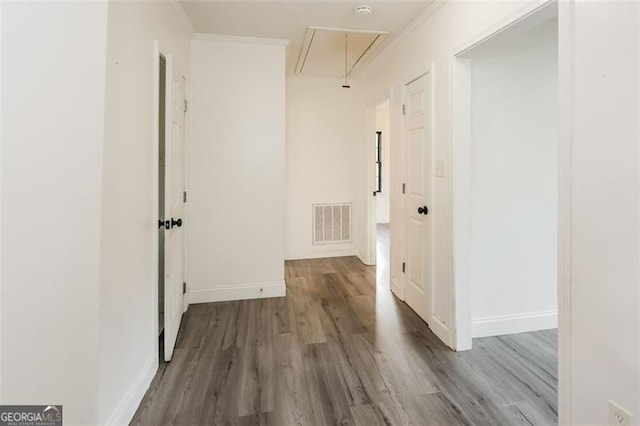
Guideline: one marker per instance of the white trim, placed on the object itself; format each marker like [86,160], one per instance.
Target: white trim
[460,190]
[512,324]
[520,14]
[320,252]
[364,259]
[238,292]
[396,288]
[441,329]
[184,18]
[369,254]
[126,408]
[430,10]
[155,161]
[566,63]
[241,39]
[460,150]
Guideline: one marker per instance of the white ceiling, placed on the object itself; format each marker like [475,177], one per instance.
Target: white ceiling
[290,19]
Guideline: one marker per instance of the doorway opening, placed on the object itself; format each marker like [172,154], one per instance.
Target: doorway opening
[382,194]
[505,174]
[161,195]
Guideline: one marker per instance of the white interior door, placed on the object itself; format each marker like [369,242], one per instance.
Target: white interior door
[174,209]
[417,208]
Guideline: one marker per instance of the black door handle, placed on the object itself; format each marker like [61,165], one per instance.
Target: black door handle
[175,222]
[423,210]
[164,224]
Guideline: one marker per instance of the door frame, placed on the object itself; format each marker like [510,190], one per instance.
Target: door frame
[461,163]
[155,169]
[460,139]
[370,254]
[158,51]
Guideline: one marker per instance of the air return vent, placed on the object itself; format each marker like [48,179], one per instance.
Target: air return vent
[331,223]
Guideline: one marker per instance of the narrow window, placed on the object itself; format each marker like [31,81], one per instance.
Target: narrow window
[378,161]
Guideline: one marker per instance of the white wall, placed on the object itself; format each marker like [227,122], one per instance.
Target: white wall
[128,319]
[53,78]
[383,199]
[428,46]
[236,170]
[600,93]
[322,145]
[514,184]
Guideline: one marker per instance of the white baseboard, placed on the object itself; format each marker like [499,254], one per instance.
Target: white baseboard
[511,324]
[126,408]
[321,252]
[441,329]
[238,292]
[365,259]
[396,288]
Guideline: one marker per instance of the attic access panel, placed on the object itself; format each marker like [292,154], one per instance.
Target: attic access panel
[322,52]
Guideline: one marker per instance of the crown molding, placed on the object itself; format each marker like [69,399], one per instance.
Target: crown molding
[426,14]
[182,15]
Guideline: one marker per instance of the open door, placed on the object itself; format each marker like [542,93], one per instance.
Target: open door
[417,194]
[174,209]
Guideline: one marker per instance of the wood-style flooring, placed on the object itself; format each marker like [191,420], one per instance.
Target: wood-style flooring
[336,351]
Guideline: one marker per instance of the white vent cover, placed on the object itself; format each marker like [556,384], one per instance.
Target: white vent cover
[331,223]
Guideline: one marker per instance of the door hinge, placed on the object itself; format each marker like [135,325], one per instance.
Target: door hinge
[184,288]
[404,187]
[404,267]
[186,105]
[184,196]
[404,109]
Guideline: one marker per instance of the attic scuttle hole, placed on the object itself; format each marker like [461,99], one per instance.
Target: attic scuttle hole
[337,52]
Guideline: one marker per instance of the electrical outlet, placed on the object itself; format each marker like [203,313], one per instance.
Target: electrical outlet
[440,168]
[618,416]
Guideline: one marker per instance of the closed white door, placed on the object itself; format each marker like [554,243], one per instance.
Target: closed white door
[417,195]
[174,212]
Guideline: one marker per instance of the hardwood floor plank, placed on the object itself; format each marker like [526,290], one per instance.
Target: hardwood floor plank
[340,349]
[325,389]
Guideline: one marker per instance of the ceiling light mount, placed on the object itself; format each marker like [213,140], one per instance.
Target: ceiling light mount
[363,11]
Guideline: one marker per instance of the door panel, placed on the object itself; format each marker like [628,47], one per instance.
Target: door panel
[174,208]
[416,181]
[415,272]
[418,263]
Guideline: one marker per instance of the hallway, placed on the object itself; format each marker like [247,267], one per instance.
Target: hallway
[335,351]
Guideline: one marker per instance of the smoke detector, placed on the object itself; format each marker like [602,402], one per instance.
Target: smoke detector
[363,11]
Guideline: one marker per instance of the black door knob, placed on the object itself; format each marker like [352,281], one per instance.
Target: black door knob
[423,210]
[175,222]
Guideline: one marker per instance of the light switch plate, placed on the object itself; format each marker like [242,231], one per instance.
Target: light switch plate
[440,168]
